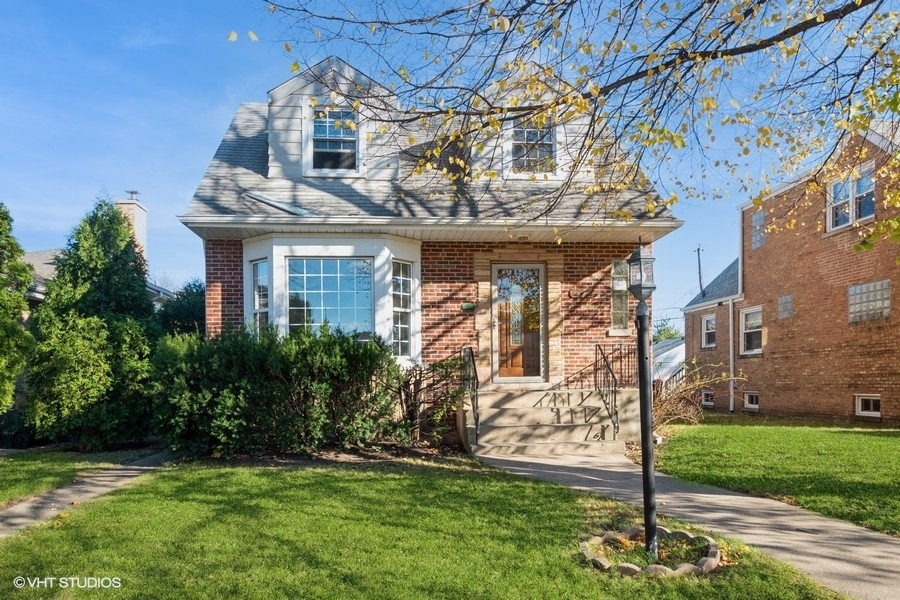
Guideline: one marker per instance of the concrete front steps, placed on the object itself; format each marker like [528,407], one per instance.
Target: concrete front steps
[541,423]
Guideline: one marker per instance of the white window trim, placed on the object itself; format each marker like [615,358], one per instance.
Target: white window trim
[254,312]
[851,182]
[703,321]
[383,250]
[306,143]
[755,351]
[857,400]
[507,150]
[703,398]
[747,405]
[396,309]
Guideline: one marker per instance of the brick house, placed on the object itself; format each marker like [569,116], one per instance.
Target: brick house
[304,220]
[801,319]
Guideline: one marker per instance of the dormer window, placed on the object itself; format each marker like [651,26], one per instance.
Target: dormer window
[533,147]
[335,136]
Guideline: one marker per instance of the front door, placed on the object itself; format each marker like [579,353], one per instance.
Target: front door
[518,322]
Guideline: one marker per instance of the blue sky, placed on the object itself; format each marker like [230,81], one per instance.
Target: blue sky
[102,96]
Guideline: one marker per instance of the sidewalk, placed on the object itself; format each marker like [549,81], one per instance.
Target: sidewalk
[844,557]
[84,488]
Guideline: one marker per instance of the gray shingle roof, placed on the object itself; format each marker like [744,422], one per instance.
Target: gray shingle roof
[240,167]
[723,286]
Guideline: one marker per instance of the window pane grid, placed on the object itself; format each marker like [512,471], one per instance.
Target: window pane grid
[333,290]
[533,148]
[260,294]
[869,301]
[619,294]
[335,140]
[401,289]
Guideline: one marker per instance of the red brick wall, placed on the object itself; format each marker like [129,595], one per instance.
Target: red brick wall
[449,279]
[587,301]
[224,284]
[814,361]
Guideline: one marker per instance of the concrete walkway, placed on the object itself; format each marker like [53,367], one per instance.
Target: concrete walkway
[48,505]
[844,557]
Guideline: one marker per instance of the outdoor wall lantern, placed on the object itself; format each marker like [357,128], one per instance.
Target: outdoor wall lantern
[641,286]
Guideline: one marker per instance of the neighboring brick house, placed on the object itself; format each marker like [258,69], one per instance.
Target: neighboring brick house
[802,320]
[306,219]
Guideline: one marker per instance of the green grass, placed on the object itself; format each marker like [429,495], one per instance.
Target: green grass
[32,472]
[844,472]
[446,528]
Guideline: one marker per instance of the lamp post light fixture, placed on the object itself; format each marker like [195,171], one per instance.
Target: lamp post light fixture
[641,286]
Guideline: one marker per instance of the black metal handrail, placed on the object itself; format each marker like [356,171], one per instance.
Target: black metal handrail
[607,384]
[470,381]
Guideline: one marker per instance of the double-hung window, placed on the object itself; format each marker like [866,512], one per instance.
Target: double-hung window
[401,287]
[260,294]
[337,291]
[533,147]
[751,331]
[708,326]
[335,140]
[851,200]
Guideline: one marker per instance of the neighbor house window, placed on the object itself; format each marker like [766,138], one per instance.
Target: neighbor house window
[533,147]
[337,291]
[260,294]
[868,405]
[707,398]
[751,400]
[785,306]
[708,325]
[757,229]
[869,301]
[851,200]
[401,287]
[751,331]
[620,294]
[335,136]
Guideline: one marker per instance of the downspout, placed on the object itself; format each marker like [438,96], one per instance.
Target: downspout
[731,355]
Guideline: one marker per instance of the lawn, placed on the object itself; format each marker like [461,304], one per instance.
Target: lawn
[442,528]
[850,473]
[32,472]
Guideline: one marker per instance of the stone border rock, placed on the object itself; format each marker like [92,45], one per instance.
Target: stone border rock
[706,564]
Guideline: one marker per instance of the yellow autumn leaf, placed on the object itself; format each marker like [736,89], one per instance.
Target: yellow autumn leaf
[232,36]
[253,37]
[295,66]
[287,47]
[312,101]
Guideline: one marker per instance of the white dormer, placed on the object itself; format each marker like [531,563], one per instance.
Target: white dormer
[314,132]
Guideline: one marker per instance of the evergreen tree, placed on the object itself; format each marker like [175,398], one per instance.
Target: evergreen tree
[15,341]
[87,375]
[186,312]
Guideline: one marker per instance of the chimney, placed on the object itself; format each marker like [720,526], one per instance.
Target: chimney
[136,214]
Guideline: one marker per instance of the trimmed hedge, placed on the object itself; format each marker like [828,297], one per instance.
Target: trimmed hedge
[242,393]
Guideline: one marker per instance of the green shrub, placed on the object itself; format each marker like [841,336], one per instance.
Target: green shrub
[240,393]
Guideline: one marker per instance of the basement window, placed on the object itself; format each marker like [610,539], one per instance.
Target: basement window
[868,405]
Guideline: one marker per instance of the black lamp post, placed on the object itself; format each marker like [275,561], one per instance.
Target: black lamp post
[641,286]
